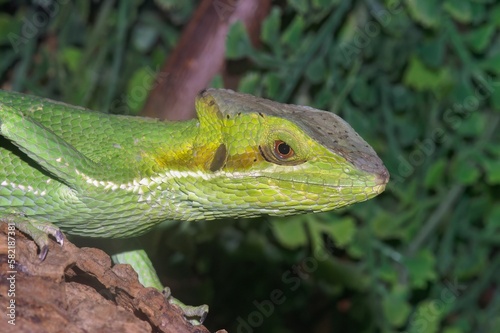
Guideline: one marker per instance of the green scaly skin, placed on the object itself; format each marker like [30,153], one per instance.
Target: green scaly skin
[99,175]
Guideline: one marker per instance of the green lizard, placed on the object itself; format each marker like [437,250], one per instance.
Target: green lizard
[93,174]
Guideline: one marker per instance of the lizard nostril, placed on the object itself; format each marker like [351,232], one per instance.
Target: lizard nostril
[382,177]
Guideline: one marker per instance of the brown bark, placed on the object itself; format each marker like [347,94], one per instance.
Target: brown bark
[79,290]
[199,55]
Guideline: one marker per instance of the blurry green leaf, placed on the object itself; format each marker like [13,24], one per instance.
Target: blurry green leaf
[237,42]
[480,38]
[470,262]
[249,83]
[180,11]
[466,172]
[426,317]
[422,78]
[301,6]
[426,12]
[363,94]
[474,124]
[491,64]
[402,98]
[396,308]
[388,273]
[157,58]
[292,36]
[435,173]
[495,15]
[9,26]
[217,82]
[432,51]
[334,271]
[272,82]
[462,90]
[495,100]
[144,37]
[387,226]
[342,231]
[493,148]
[355,251]
[453,330]
[290,233]
[409,136]
[348,31]
[421,268]
[138,87]
[71,57]
[316,71]
[478,12]
[493,218]
[492,171]
[271,27]
[460,10]
[323,98]
[318,4]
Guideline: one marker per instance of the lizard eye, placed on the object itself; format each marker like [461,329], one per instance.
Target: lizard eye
[282,150]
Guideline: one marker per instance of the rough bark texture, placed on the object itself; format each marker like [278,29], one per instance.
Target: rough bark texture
[199,55]
[79,290]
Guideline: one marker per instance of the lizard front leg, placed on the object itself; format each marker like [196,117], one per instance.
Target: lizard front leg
[38,230]
[143,266]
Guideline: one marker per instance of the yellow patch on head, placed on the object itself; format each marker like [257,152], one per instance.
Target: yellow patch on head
[244,161]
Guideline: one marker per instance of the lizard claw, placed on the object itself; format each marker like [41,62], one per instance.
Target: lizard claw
[43,252]
[59,237]
[196,315]
[38,230]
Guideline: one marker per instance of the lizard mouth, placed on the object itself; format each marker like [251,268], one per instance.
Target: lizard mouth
[376,185]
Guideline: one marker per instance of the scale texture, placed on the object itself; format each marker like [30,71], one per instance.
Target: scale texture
[101,175]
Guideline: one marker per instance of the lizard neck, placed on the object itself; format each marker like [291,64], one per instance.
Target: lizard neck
[192,146]
[136,148]
[173,146]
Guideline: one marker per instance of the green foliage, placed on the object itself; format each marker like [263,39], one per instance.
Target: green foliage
[419,80]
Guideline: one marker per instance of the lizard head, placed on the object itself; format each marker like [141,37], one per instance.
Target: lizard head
[279,159]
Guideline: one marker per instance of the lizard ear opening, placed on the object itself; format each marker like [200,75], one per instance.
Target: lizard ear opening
[219,159]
